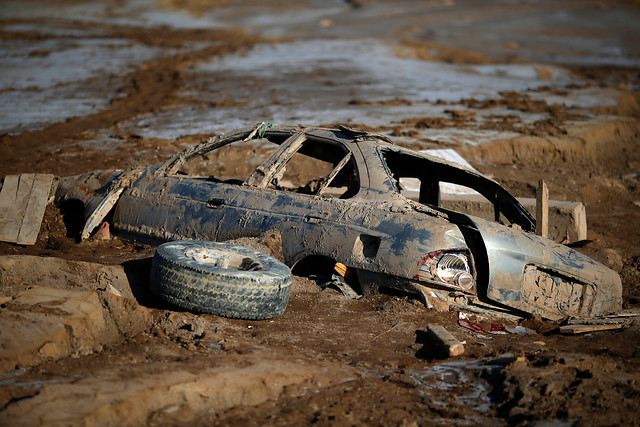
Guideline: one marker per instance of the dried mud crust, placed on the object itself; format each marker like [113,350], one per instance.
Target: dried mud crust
[259,290]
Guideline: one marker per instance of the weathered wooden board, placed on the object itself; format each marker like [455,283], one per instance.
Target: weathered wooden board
[23,199]
[583,329]
[445,340]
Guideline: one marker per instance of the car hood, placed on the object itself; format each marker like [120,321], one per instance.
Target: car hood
[539,276]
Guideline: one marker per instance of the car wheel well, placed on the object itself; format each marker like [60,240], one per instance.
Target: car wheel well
[313,264]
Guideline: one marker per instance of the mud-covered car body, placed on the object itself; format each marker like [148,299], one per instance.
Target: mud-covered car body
[357,214]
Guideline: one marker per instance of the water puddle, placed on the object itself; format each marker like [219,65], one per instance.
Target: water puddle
[459,384]
[48,81]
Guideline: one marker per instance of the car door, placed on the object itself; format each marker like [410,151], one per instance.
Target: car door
[174,207]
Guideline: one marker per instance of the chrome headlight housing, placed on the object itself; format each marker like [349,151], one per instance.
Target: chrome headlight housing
[451,268]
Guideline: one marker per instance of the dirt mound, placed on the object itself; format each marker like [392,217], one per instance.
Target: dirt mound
[42,324]
[269,243]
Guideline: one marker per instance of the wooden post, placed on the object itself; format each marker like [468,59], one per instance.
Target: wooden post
[542,209]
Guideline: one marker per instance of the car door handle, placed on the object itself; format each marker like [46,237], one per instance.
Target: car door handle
[215,203]
[313,219]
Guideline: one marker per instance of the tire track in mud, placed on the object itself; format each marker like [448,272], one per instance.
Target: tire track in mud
[150,87]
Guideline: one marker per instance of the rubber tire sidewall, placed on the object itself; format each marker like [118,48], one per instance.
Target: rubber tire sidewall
[206,288]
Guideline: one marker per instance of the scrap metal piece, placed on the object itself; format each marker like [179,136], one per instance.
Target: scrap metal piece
[339,282]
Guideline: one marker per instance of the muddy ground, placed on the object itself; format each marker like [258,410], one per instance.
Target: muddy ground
[523,90]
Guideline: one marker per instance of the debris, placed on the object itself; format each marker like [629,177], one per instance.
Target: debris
[23,200]
[465,315]
[621,317]
[599,321]
[435,262]
[103,232]
[484,337]
[471,326]
[444,340]
[583,329]
[498,329]
[96,213]
[340,268]
[339,282]
[519,330]
[382,333]
[632,312]
[112,290]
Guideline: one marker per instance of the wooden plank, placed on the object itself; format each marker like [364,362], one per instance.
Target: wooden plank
[542,209]
[34,212]
[445,340]
[11,218]
[583,329]
[599,321]
[630,312]
[7,201]
[9,191]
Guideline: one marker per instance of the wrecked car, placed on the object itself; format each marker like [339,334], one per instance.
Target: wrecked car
[336,196]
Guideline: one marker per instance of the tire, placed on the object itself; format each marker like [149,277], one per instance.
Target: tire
[222,279]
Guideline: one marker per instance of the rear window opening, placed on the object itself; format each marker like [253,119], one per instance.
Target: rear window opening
[445,186]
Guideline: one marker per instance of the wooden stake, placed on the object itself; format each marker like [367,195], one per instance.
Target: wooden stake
[542,209]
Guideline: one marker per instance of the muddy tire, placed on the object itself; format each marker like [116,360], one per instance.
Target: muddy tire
[218,278]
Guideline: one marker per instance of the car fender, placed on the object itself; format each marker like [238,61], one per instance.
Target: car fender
[538,276]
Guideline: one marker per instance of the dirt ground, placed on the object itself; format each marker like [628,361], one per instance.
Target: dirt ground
[82,340]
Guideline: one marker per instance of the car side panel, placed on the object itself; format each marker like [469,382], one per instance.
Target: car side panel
[169,208]
[369,235]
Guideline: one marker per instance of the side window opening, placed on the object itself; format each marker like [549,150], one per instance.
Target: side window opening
[318,168]
[232,163]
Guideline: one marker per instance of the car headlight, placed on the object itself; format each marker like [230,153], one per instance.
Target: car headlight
[449,268]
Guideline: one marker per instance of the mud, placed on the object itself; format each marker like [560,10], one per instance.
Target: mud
[524,90]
